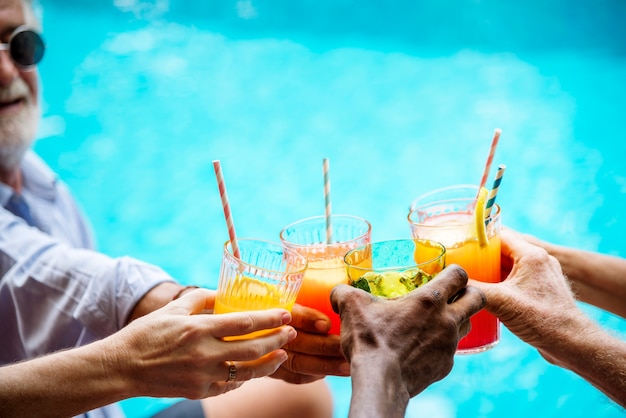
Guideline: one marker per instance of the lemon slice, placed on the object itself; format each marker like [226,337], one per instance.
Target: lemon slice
[479,217]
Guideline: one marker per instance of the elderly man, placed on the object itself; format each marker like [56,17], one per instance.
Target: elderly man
[57,293]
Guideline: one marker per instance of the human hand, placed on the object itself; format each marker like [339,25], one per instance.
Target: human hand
[177,351]
[415,335]
[314,353]
[535,299]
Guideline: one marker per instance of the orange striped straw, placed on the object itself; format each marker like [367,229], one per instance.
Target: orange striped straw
[492,152]
[226,206]
[327,202]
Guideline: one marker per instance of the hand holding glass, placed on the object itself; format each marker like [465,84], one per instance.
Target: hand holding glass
[265,276]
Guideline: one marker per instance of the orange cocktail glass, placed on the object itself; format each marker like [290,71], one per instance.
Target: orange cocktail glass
[447,215]
[264,276]
[325,260]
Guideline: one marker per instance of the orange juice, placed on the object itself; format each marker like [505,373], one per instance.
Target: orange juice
[247,294]
[482,264]
[263,275]
[325,260]
[447,215]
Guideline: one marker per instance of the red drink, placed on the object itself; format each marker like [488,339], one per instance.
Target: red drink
[325,260]
[447,216]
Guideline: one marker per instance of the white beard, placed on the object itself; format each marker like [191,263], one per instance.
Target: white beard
[17,132]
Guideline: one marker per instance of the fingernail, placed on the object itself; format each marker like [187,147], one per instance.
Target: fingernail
[322,325]
[286,318]
[292,334]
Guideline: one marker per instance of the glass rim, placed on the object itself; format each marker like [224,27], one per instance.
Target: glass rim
[292,253]
[414,206]
[291,244]
[495,213]
[394,268]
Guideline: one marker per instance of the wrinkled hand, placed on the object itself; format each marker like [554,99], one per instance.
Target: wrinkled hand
[417,333]
[177,351]
[314,353]
[535,297]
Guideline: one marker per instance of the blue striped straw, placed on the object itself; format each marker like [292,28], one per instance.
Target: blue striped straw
[494,191]
[329,227]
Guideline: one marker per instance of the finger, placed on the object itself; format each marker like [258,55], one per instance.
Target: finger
[328,345]
[472,301]
[343,295]
[448,282]
[241,323]
[314,365]
[514,245]
[253,348]
[194,302]
[309,319]
[241,371]
[296,378]
[464,329]
[484,287]
[495,295]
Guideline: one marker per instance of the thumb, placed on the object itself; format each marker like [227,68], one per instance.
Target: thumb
[492,292]
[344,296]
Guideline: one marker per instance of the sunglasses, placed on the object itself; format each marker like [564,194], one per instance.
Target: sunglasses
[25,47]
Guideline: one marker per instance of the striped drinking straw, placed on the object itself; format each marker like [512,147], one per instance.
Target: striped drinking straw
[494,191]
[492,152]
[327,201]
[226,206]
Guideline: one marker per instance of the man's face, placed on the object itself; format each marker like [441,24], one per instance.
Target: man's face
[19,102]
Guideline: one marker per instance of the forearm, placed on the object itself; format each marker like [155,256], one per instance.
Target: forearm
[376,389]
[592,353]
[597,279]
[63,384]
[157,297]
[86,288]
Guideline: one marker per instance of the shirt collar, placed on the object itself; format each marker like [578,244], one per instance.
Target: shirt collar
[5,194]
[38,178]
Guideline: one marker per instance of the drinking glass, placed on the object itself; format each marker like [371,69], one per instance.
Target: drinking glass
[325,260]
[447,215]
[395,267]
[265,275]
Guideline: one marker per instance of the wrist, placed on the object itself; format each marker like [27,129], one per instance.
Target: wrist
[183,290]
[378,388]
[157,297]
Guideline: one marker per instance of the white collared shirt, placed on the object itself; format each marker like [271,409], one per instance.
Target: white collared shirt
[55,291]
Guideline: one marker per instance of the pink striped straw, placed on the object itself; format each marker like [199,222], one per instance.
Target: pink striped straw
[226,206]
[492,152]
[328,205]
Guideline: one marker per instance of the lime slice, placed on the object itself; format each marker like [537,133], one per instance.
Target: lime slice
[479,217]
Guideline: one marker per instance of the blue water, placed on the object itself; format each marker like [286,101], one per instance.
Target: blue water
[403,97]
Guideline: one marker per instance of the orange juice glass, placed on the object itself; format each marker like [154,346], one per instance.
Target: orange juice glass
[325,260]
[265,276]
[446,215]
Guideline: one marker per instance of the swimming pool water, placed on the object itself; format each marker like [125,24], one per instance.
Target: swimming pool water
[403,97]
